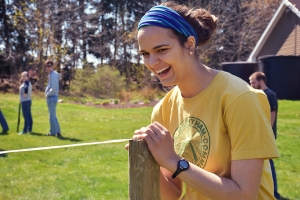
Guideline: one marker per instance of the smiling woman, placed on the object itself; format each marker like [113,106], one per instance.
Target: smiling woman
[212,129]
[161,21]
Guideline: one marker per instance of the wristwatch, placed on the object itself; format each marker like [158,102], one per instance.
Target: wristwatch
[181,166]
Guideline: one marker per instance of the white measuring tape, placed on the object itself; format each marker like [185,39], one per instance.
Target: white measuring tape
[63,146]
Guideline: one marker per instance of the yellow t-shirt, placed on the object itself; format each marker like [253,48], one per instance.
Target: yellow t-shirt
[227,121]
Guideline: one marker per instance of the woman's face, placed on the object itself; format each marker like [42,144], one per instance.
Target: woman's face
[24,77]
[163,55]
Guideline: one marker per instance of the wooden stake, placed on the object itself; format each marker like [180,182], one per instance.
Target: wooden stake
[144,172]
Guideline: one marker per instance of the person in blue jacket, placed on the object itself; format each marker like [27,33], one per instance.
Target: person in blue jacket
[51,95]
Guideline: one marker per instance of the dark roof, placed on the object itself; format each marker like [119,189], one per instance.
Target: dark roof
[296,3]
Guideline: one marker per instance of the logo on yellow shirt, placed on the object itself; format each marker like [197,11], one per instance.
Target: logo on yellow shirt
[192,141]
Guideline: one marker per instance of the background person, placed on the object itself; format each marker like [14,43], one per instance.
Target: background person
[25,99]
[51,95]
[3,123]
[258,80]
[211,118]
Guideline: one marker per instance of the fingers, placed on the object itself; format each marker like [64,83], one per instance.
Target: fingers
[127,147]
[147,134]
[158,129]
[159,141]
[154,134]
[159,126]
[139,134]
[154,130]
[140,131]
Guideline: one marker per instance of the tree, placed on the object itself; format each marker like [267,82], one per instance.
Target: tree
[69,32]
[240,24]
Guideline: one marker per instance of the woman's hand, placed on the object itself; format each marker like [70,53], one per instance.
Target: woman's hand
[160,143]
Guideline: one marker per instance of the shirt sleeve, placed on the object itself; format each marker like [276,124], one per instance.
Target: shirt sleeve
[273,101]
[247,121]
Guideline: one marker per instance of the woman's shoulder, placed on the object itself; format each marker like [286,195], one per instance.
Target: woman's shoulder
[170,96]
[230,88]
[229,83]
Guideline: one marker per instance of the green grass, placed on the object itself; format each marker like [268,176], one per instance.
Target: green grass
[86,172]
[101,171]
[288,142]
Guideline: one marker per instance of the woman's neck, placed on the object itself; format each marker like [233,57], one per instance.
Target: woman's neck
[199,79]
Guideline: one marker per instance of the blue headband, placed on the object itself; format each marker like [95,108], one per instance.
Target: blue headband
[165,17]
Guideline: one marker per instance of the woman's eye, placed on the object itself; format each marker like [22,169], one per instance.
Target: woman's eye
[144,54]
[162,50]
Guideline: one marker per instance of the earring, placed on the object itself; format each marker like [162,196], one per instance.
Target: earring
[191,52]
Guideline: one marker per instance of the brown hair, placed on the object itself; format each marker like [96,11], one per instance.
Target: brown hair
[48,62]
[200,19]
[259,76]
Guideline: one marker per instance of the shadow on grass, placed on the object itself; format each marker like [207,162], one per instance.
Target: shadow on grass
[3,155]
[4,133]
[60,138]
[284,198]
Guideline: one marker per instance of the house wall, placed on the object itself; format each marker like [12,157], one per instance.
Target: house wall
[285,38]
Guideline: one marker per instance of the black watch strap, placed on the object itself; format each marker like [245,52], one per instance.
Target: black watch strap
[182,165]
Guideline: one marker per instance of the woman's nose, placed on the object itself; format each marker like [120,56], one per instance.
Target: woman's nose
[153,60]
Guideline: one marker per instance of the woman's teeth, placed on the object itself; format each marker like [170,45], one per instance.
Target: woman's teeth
[164,69]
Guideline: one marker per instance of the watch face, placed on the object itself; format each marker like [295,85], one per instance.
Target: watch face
[184,164]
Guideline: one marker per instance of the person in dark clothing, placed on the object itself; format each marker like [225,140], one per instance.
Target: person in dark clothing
[258,81]
[3,123]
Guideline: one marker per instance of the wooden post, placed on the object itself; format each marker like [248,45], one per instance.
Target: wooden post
[144,172]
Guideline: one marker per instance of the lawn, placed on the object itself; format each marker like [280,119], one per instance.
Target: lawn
[101,171]
[87,172]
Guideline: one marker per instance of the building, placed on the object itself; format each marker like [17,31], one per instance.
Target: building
[282,35]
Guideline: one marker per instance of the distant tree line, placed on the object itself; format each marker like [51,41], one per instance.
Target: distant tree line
[71,31]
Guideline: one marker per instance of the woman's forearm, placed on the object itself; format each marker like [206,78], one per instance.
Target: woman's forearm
[169,189]
[243,184]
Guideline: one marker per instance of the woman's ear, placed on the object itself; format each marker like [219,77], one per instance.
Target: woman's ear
[190,43]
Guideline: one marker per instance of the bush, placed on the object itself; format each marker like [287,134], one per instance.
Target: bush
[105,103]
[134,101]
[101,83]
[149,93]
[81,83]
[125,95]
[116,101]
[107,83]
[98,103]
[147,101]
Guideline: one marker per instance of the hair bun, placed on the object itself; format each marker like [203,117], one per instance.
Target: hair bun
[207,24]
